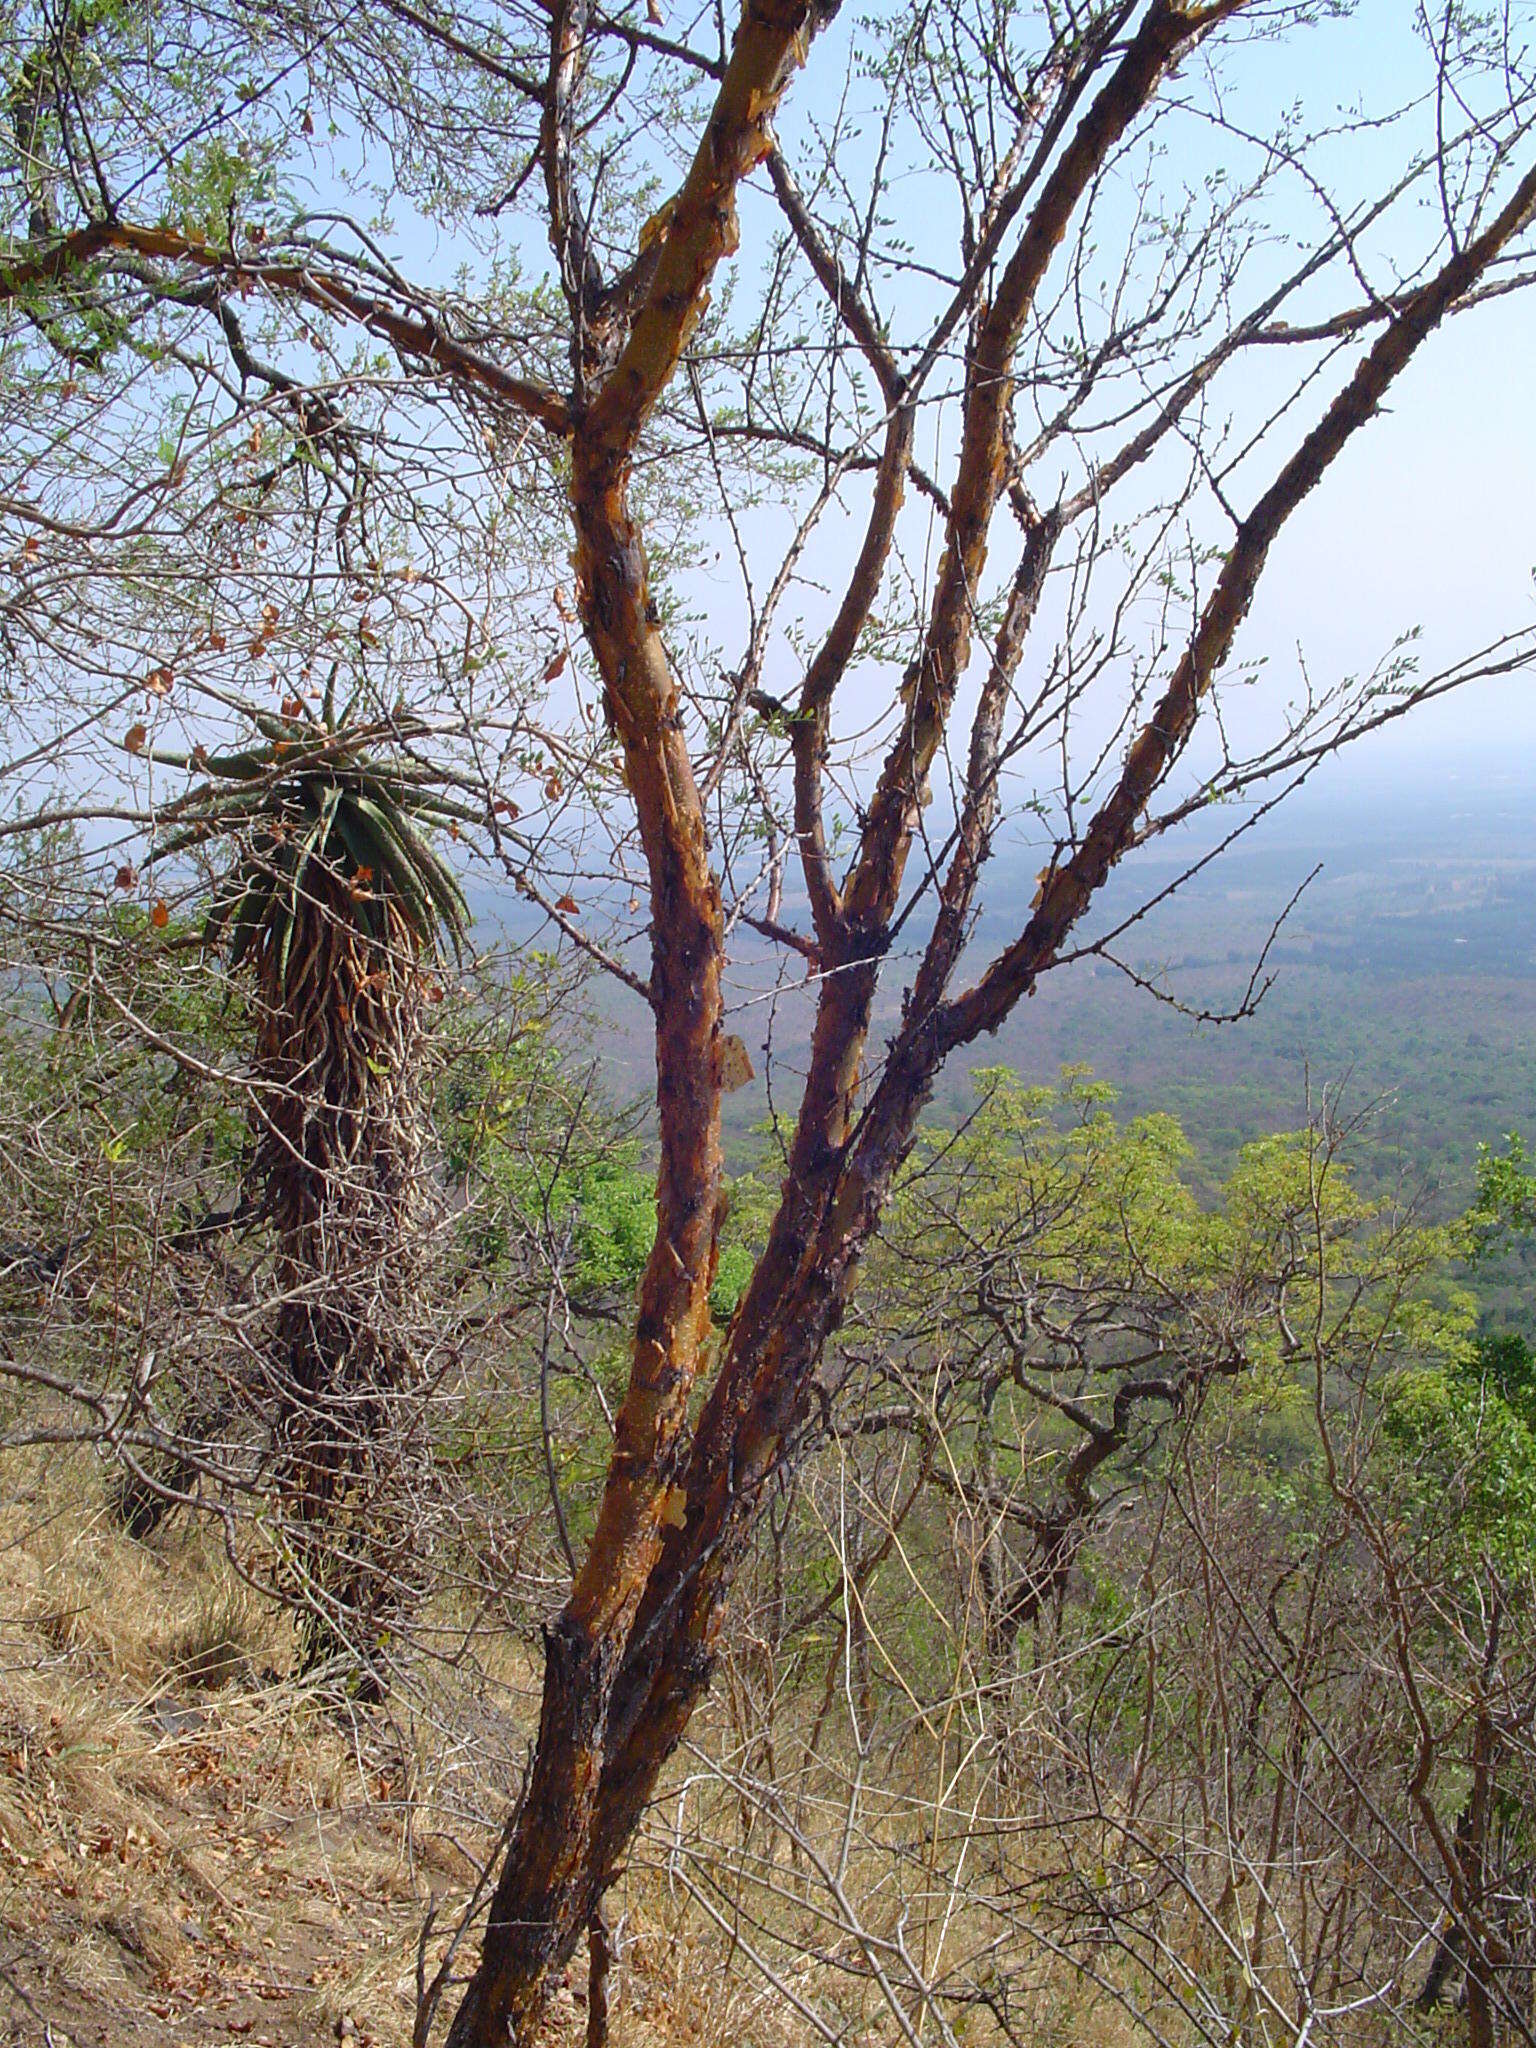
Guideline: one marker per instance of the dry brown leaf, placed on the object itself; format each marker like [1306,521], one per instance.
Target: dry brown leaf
[733,1063]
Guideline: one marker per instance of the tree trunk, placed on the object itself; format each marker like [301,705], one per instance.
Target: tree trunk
[630,1656]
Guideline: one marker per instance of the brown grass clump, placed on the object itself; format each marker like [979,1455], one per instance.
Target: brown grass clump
[197,1849]
[190,1851]
[220,1642]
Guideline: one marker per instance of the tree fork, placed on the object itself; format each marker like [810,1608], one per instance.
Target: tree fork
[748,1425]
[630,1657]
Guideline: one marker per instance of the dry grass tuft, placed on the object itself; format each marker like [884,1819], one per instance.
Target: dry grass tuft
[221,1642]
[189,1850]
[195,1849]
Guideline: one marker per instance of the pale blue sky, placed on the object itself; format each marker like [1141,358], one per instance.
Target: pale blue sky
[1427,520]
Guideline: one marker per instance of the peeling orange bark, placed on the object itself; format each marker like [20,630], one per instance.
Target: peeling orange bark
[545,1897]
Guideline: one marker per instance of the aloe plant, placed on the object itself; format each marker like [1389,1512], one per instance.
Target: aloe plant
[336,911]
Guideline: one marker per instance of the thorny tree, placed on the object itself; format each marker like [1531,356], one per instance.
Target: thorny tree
[999,349]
